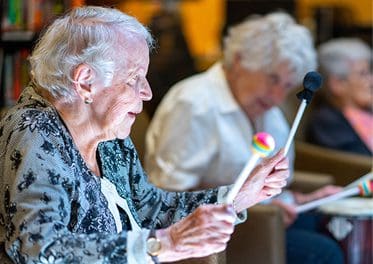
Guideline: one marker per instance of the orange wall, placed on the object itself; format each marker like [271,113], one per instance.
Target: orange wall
[361,9]
[202,22]
[204,19]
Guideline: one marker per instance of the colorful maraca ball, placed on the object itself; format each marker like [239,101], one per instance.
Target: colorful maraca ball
[366,188]
[263,144]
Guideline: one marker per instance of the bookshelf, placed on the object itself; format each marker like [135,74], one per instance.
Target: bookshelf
[20,23]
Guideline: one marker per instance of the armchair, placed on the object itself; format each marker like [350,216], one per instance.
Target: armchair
[343,166]
[261,239]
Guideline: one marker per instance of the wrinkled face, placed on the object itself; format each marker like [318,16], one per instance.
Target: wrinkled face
[120,103]
[359,84]
[258,91]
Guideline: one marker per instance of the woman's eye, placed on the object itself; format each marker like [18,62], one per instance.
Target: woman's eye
[132,81]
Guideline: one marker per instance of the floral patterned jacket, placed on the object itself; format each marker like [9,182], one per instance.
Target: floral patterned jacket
[52,209]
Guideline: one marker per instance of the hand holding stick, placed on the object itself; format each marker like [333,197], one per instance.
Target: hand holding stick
[262,145]
[364,189]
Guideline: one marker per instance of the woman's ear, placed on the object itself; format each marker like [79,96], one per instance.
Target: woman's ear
[83,76]
[236,63]
[234,67]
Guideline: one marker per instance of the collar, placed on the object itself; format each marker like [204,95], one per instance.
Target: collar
[30,93]
[225,100]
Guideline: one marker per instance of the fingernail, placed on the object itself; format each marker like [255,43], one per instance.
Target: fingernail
[281,168]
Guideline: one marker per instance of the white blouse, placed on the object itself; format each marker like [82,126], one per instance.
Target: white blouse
[114,200]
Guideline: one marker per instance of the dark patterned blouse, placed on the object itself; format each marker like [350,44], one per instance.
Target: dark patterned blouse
[52,209]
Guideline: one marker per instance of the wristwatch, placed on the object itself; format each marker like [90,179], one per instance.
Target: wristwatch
[153,246]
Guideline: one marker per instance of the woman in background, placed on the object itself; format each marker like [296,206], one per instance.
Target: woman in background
[344,119]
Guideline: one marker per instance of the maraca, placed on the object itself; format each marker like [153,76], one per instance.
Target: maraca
[262,145]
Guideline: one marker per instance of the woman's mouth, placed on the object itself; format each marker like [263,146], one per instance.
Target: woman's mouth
[132,114]
[264,105]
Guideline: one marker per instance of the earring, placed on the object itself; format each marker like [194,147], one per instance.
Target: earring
[88,101]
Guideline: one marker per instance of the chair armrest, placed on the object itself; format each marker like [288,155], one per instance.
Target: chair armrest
[343,166]
[261,239]
[305,181]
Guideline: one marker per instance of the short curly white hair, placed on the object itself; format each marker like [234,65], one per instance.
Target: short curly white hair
[88,35]
[264,42]
[336,55]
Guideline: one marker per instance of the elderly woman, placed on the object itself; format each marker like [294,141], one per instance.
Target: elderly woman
[344,120]
[72,187]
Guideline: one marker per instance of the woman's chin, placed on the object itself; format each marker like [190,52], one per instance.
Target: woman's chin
[123,134]
[123,131]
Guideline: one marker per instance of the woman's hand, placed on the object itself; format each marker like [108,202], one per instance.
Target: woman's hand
[204,232]
[289,213]
[301,198]
[265,181]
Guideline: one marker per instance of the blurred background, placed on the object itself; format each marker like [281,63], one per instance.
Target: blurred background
[202,22]
[188,32]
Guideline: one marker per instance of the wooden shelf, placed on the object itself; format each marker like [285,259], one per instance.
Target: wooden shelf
[18,36]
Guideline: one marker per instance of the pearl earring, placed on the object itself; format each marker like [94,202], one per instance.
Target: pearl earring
[88,101]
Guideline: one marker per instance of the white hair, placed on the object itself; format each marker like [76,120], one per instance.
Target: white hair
[87,35]
[264,42]
[335,56]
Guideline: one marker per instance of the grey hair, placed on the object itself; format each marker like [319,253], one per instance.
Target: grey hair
[336,55]
[87,35]
[264,42]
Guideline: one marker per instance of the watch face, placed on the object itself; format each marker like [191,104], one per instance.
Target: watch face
[153,246]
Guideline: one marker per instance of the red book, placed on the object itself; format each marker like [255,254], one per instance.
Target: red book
[16,76]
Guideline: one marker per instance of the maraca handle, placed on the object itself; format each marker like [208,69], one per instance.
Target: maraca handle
[241,179]
[311,205]
[364,189]
[262,144]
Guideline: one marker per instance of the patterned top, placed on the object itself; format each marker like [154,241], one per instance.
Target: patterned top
[52,209]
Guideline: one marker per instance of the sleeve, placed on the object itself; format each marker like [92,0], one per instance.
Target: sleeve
[36,203]
[158,208]
[179,147]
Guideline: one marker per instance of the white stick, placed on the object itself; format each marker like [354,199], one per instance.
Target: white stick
[300,112]
[242,178]
[346,193]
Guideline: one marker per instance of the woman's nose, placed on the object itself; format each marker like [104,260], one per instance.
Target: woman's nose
[278,94]
[145,91]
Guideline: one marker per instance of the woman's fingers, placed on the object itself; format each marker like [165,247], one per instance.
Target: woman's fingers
[205,231]
[219,213]
[279,159]
[277,176]
[270,192]
[276,184]
[282,165]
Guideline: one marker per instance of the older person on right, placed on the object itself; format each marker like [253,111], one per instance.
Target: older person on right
[201,133]
[344,119]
